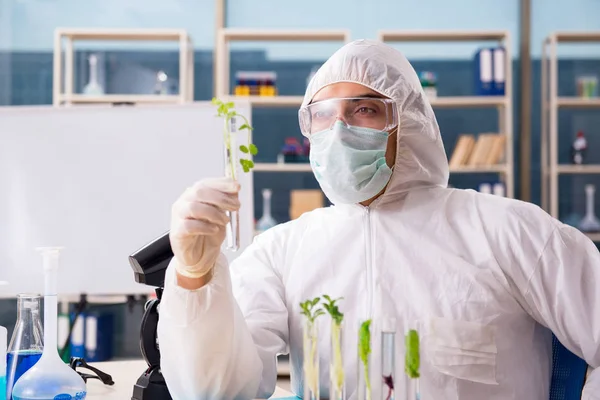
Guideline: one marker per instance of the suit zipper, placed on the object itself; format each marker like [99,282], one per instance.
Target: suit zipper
[369,263]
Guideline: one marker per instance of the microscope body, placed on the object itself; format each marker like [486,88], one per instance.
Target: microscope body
[150,264]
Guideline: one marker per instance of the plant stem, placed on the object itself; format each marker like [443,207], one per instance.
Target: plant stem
[230,156]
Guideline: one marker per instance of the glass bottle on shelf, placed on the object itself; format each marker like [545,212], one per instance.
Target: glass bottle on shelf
[93,87]
[266,221]
[26,344]
[590,222]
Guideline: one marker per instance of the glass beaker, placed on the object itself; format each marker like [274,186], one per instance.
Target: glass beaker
[50,377]
[26,344]
[232,171]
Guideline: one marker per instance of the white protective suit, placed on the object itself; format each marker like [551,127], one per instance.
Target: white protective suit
[489,278]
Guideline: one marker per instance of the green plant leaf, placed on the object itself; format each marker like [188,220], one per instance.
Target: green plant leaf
[253,149]
[230,104]
[250,164]
[215,101]
[245,168]
[244,149]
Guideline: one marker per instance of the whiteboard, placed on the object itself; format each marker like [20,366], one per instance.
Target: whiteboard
[100,181]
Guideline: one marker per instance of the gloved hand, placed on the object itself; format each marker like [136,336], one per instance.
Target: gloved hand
[198,223]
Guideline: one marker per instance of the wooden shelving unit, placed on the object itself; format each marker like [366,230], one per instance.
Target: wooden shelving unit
[551,105]
[222,59]
[504,104]
[63,73]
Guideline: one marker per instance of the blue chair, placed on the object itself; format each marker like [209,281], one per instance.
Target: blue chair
[568,373]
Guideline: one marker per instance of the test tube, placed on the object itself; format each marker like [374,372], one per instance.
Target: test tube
[388,359]
[336,367]
[413,359]
[364,360]
[231,171]
[311,360]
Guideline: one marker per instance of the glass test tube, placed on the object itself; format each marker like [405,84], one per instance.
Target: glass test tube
[364,361]
[388,359]
[336,368]
[413,362]
[311,360]
[231,171]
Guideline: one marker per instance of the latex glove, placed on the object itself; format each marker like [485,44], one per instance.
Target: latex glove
[198,222]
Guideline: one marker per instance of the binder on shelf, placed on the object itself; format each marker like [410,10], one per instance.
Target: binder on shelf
[484,72]
[462,150]
[496,154]
[98,337]
[499,71]
[78,337]
[482,149]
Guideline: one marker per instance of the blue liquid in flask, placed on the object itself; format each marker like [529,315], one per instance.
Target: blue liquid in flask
[2,387]
[20,363]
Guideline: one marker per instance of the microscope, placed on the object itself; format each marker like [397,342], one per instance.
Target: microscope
[149,266]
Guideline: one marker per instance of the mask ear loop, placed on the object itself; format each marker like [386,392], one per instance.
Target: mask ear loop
[396,130]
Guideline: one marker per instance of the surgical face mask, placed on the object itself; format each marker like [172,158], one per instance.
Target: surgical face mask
[349,162]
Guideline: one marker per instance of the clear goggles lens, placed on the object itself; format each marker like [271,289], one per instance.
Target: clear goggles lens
[364,112]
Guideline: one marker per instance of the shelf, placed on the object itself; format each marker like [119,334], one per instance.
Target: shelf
[239,34]
[578,169]
[469,101]
[577,36]
[119,98]
[478,169]
[282,167]
[581,102]
[121,34]
[269,101]
[440,36]
[593,236]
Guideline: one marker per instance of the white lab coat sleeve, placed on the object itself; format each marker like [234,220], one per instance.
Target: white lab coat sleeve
[259,290]
[207,351]
[564,294]
[556,270]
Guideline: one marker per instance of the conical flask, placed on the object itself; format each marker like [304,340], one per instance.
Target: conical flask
[26,345]
[50,378]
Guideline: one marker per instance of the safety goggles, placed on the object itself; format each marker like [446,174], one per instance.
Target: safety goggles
[364,112]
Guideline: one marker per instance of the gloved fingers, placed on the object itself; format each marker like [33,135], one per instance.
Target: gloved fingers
[225,185]
[194,227]
[202,211]
[206,195]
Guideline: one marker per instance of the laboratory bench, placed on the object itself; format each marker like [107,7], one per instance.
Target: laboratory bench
[125,374]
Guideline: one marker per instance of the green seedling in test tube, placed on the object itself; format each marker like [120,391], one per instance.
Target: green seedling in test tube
[413,358]
[337,364]
[364,351]
[413,361]
[226,110]
[311,311]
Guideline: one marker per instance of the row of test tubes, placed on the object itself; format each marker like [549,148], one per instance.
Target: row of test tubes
[389,381]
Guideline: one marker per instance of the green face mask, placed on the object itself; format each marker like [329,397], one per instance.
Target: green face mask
[349,162]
